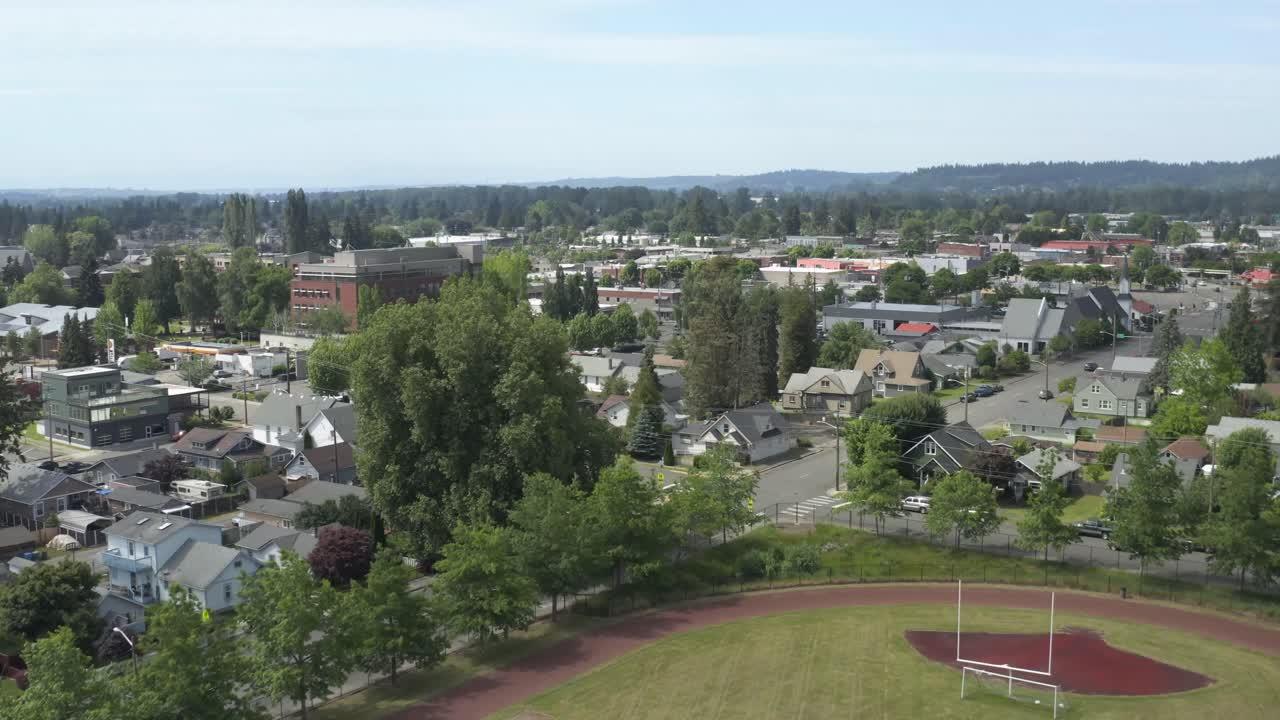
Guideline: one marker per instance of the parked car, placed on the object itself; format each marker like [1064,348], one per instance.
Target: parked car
[74,467]
[968,397]
[1093,527]
[997,387]
[916,503]
[984,391]
[1045,394]
[1090,366]
[48,465]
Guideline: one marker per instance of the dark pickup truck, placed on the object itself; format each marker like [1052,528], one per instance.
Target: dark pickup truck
[1093,528]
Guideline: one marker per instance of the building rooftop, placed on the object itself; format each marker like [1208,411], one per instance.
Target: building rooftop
[197,564]
[151,527]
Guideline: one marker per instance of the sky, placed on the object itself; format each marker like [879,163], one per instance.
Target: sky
[267,94]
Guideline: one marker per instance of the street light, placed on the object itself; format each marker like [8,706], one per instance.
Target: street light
[823,421]
[133,652]
[964,400]
[1044,394]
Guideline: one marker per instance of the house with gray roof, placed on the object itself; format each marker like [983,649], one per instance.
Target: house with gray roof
[46,320]
[1130,365]
[140,556]
[595,371]
[1116,395]
[30,493]
[335,424]
[1065,470]
[827,390]
[280,513]
[332,463]
[756,433]
[108,470]
[208,448]
[267,542]
[1029,324]
[213,574]
[882,317]
[124,500]
[281,418]
[944,451]
[1046,420]
[18,255]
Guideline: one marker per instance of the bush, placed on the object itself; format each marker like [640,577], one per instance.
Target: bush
[804,442]
[1108,455]
[804,558]
[1067,385]
[753,565]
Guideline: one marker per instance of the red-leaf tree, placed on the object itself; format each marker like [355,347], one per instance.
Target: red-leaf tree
[343,554]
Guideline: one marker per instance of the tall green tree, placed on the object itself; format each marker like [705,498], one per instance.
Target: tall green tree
[13,346]
[1244,338]
[1168,340]
[873,484]
[910,416]
[482,584]
[46,245]
[298,632]
[43,285]
[392,623]
[89,285]
[1146,513]
[1243,533]
[715,497]
[240,220]
[555,538]
[124,291]
[63,684]
[732,339]
[844,343]
[146,323]
[635,529]
[160,281]
[198,290]
[49,596]
[235,287]
[368,300]
[647,324]
[1205,373]
[624,324]
[460,400]
[508,270]
[964,504]
[798,336]
[194,668]
[1042,528]
[100,228]
[296,222]
[109,325]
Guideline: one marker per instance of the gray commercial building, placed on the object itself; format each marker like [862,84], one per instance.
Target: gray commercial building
[92,406]
[882,317]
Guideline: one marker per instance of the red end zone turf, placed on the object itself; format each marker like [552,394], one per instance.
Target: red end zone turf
[1082,661]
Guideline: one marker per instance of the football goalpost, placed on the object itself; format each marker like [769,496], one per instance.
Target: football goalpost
[1001,675]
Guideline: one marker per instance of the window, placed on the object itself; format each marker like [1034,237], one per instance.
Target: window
[1095,388]
[826,384]
[1104,404]
[130,548]
[226,592]
[1084,402]
[930,448]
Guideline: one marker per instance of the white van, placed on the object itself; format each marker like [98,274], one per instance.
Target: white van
[916,503]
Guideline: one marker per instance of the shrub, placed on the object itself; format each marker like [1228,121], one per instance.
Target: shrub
[1067,385]
[804,558]
[753,564]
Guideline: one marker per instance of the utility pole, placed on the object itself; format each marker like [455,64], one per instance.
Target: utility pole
[244,393]
[966,395]
[837,452]
[288,372]
[1115,336]
[49,414]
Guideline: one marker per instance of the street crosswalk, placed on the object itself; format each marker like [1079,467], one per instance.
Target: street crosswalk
[811,506]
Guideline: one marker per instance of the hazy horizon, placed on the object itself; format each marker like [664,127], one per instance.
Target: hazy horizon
[150,95]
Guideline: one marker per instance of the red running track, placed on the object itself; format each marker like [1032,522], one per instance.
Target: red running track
[486,694]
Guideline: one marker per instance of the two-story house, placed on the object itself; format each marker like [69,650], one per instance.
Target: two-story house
[281,418]
[29,494]
[894,372]
[945,451]
[332,463]
[108,470]
[594,371]
[756,433]
[267,542]
[147,552]
[841,392]
[1117,395]
[208,448]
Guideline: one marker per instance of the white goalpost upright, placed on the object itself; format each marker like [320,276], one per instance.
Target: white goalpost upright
[976,667]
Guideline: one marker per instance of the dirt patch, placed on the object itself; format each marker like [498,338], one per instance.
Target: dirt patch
[1083,662]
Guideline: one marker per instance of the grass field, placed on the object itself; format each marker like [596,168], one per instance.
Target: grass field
[1082,508]
[854,663]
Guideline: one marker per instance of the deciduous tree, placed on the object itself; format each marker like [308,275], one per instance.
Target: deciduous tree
[49,596]
[297,631]
[1042,528]
[342,556]
[198,290]
[874,485]
[63,684]
[482,584]
[1146,512]
[392,623]
[964,504]
[556,538]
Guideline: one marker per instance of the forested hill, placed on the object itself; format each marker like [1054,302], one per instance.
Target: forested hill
[1260,174]
[777,182]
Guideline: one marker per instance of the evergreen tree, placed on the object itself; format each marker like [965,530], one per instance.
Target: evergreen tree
[1167,341]
[646,434]
[89,286]
[590,297]
[296,225]
[160,285]
[647,392]
[35,344]
[1245,341]
[86,348]
[797,340]
[68,342]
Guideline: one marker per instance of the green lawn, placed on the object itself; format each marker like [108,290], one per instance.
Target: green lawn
[855,663]
[413,687]
[1082,508]
[31,435]
[8,690]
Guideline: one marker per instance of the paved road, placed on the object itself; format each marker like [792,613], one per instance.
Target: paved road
[801,479]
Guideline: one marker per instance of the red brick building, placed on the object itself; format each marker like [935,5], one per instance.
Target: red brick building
[398,273]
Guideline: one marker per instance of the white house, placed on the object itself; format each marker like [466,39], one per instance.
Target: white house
[267,542]
[336,424]
[282,418]
[147,552]
[595,371]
